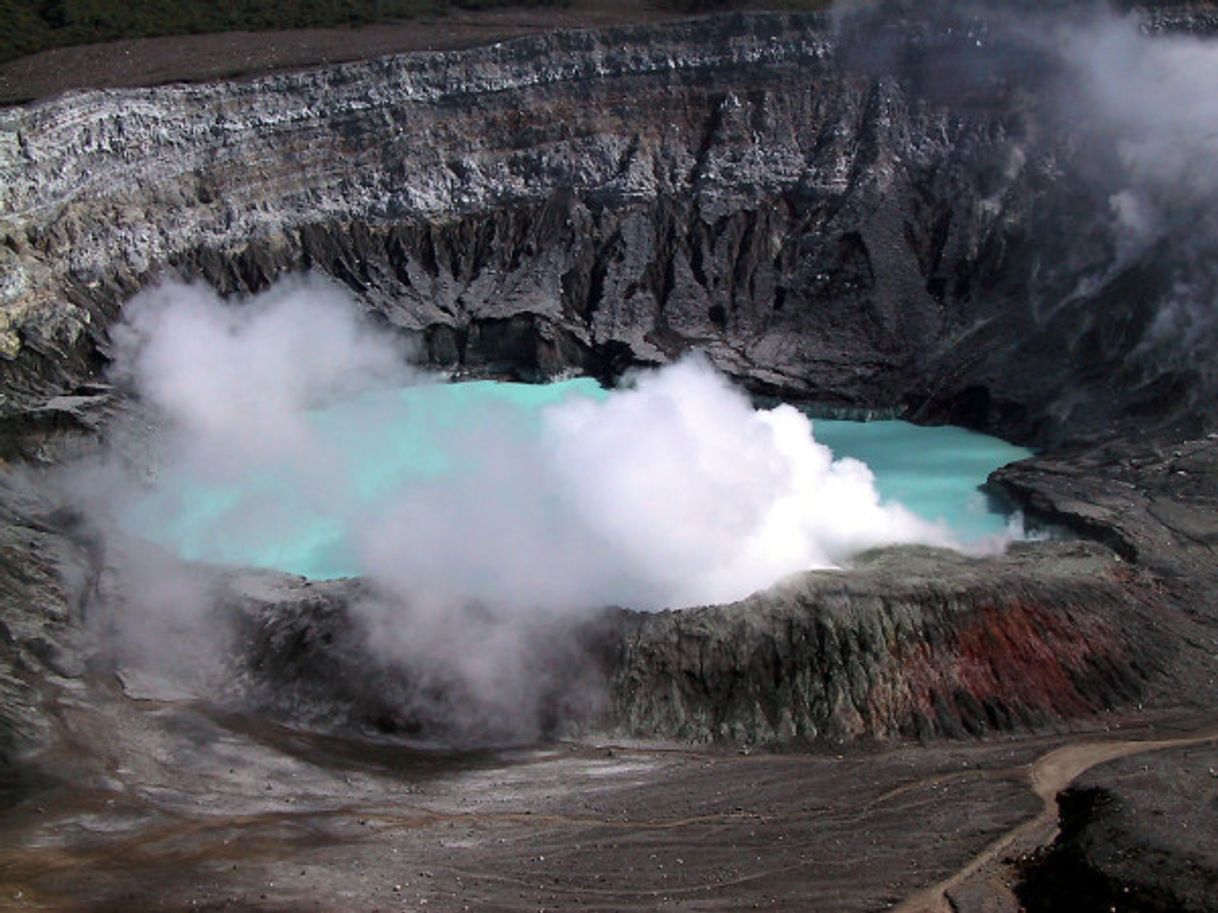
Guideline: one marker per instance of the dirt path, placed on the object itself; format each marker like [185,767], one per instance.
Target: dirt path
[248,815]
[1048,775]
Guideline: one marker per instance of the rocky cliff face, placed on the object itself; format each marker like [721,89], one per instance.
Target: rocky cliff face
[835,214]
[909,643]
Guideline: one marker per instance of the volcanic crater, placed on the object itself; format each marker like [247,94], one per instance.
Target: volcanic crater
[935,214]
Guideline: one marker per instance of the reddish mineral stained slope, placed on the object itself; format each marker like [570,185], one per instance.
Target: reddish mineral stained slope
[910,642]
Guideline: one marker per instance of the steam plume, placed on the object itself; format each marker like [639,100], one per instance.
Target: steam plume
[673,491]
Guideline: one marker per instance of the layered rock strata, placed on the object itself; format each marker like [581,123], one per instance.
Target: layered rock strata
[908,643]
[884,215]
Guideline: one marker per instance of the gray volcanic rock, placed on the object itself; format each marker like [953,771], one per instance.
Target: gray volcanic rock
[909,643]
[303,653]
[47,577]
[1136,834]
[899,211]
[1198,17]
[887,212]
[886,215]
[1154,502]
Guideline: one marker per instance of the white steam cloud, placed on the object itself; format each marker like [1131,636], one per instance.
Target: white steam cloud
[674,491]
[1155,96]
[1132,113]
[236,381]
[1153,101]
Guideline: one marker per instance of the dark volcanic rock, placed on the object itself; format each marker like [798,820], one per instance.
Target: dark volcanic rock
[1153,502]
[893,215]
[909,643]
[903,214]
[309,654]
[886,215]
[1136,834]
[47,576]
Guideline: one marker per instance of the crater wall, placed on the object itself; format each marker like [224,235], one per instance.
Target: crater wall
[862,233]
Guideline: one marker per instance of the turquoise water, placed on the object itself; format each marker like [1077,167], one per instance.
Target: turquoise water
[935,472]
[383,440]
[305,520]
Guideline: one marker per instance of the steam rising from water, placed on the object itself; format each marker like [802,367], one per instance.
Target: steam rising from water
[1154,102]
[674,491]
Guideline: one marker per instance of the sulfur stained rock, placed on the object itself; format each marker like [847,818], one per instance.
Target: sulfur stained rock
[910,643]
